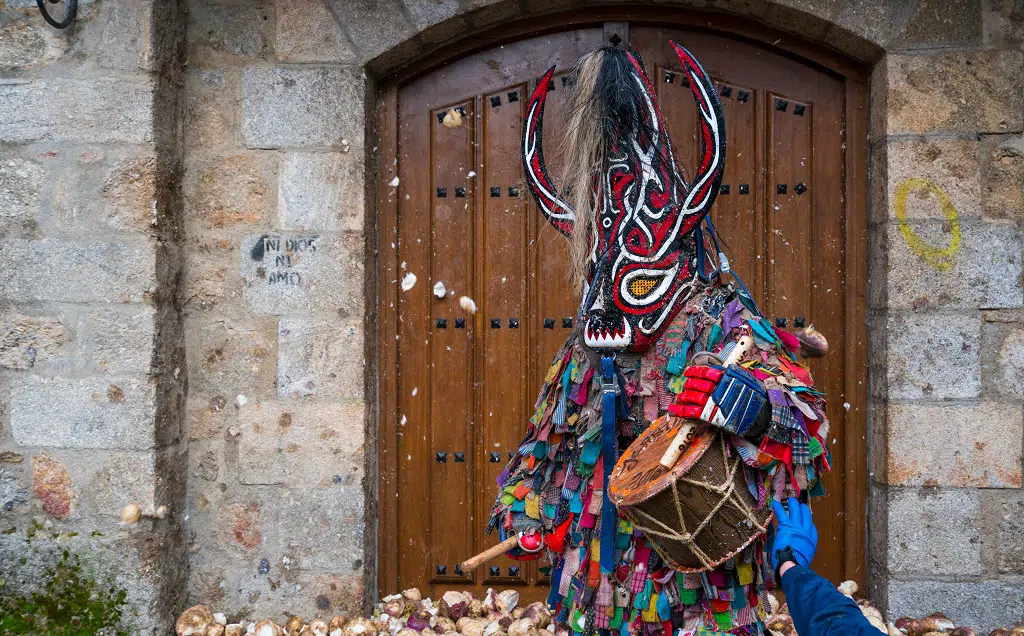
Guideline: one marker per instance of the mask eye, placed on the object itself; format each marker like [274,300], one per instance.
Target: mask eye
[644,287]
[641,286]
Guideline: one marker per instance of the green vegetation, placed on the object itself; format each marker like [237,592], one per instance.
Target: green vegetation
[71,603]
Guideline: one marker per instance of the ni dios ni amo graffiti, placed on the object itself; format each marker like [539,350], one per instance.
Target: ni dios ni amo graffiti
[280,256]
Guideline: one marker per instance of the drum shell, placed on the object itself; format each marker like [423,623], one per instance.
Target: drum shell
[696,515]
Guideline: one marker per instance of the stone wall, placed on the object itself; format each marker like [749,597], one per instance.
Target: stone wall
[91,358]
[274,289]
[273,303]
[945,305]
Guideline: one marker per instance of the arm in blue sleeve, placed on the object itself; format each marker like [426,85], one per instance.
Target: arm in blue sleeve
[819,609]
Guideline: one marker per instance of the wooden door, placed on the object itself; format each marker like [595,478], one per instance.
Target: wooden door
[780,211]
[457,389]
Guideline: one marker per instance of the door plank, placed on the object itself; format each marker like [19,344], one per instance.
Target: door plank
[450,390]
[503,374]
[387,337]
[826,258]
[855,285]
[788,217]
[412,458]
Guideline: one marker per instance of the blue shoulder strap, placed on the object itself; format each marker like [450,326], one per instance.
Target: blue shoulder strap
[610,391]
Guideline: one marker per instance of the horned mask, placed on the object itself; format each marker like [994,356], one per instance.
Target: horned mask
[642,231]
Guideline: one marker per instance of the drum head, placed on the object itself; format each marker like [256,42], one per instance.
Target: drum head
[639,475]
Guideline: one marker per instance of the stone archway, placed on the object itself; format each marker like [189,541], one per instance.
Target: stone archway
[794,244]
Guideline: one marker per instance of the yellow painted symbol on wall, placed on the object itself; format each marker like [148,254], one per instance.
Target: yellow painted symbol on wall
[941,258]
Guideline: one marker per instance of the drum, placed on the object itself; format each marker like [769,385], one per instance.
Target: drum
[697,514]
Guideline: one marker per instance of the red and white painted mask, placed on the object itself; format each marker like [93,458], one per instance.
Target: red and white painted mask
[643,247]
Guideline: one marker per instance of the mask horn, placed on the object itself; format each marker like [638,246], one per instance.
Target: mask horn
[708,176]
[557,211]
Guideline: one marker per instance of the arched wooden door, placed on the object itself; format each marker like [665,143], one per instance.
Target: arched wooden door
[457,390]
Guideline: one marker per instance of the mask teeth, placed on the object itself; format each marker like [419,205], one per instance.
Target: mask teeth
[608,336]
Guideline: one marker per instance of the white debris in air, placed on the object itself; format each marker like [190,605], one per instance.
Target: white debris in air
[452,119]
[439,289]
[404,420]
[415,390]
[471,174]
[409,281]
[241,400]
[846,405]
[394,182]
[467,304]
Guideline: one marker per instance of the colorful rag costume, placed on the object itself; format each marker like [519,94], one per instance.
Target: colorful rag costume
[654,297]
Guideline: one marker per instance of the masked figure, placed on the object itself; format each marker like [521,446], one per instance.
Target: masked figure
[654,303]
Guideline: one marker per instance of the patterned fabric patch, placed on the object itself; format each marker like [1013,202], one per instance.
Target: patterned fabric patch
[801,448]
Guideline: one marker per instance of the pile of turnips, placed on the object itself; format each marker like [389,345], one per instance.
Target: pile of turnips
[500,614]
[780,623]
[405,614]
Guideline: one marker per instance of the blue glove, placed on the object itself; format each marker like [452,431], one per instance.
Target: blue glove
[740,398]
[796,538]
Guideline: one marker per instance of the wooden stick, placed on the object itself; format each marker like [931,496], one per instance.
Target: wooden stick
[493,552]
[685,434]
[679,443]
[743,345]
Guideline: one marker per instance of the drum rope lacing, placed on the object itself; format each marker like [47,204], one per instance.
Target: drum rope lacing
[727,492]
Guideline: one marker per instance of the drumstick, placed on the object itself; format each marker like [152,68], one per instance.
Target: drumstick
[685,434]
[490,553]
[743,345]
[679,442]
